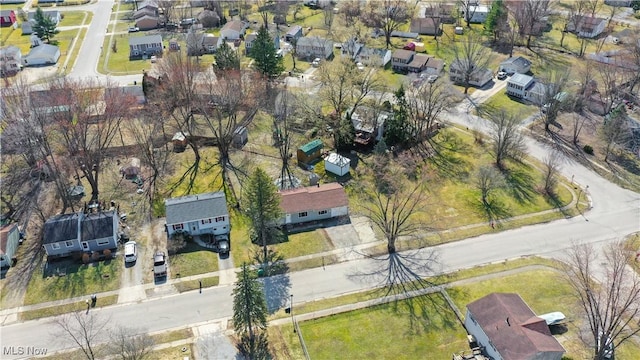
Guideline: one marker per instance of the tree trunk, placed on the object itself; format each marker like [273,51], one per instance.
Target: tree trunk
[391,246]
[562,38]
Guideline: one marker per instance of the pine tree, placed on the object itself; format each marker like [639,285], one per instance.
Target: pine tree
[496,16]
[264,208]
[226,58]
[396,131]
[44,26]
[250,314]
[264,53]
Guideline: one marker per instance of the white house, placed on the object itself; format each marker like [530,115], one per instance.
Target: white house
[476,15]
[587,26]
[368,124]
[198,214]
[373,56]
[44,54]
[518,84]
[479,76]
[313,203]
[234,30]
[311,47]
[9,240]
[10,60]
[337,164]
[506,328]
[515,65]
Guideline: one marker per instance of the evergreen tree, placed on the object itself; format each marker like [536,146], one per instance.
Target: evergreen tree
[226,58]
[396,129]
[44,26]
[250,314]
[497,15]
[263,209]
[264,53]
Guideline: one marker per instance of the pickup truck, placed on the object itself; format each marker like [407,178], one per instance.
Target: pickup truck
[159,264]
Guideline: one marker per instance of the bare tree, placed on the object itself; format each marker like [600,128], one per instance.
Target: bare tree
[387,15]
[468,8]
[608,292]
[129,343]
[426,103]
[470,57]
[489,181]
[284,108]
[551,172]
[554,98]
[609,76]
[508,143]
[351,10]
[614,130]
[85,331]
[529,15]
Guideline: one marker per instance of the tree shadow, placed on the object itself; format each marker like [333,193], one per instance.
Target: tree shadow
[521,184]
[277,291]
[494,209]
[405,279]
[448,159]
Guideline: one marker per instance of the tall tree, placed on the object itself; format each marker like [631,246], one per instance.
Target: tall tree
[44,26]
[551,172]
[608,292]
[425,104]
[554,99]
[397,127]
[489,181]
[614,130]
[529,15]
[85,330]
[249,311]
[470,56]
[226,58]
[130,344]
[263,51]
[387,15]
[495,19]
[263,208]
[507,142]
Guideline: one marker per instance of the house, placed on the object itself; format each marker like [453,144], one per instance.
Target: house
[586,26]
[7,18]
[10,60]
[211,43]
[618,3]
[9,241]
[148,4]
[515,65]
[134,91]
[234,30]
[434,66]
[426,26]
[518,84]
[373,56]
[294,33]
[142,47]
[80,232]
[249,39]
[506,328]
[368,124]
[44,54]
[309,152]
[311,47]
[444,12]
[400,59]
[418,63]
[337,164]
[145,12]
[198,214]
[478,77]
[54,15]
[148,22]
[200,43]
[313,203]
[476,14]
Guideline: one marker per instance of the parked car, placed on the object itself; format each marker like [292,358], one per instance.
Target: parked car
[432,78]
[130,252]
[153,60]
[133,29]
[222,242]
[502,75]
[159,264]
[316,62]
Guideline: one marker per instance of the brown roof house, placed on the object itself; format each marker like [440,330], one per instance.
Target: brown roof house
[587,26]
[506,328]
[313,203]
[426,26]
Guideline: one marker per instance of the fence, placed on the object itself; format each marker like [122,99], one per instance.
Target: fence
[304,346]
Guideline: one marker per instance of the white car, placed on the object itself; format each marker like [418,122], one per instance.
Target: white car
[360,66]
[432,78]
[316,62]
[502,75]
[130,251]
[153,59]
[133,29]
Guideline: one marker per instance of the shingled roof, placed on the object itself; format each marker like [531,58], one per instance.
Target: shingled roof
[61,228]
[195,207]
[97,226]
[512,327]
[313,198]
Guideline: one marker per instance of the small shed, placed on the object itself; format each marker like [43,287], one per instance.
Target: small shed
[337,164]
[309,152]
[179,141]
[132,170]
[240,137]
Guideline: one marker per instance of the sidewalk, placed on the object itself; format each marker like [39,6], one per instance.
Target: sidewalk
[344,254]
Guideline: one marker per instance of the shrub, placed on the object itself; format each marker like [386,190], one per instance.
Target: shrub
[175,244]
[95,256]
[85,258]
[107,254]
[588,149]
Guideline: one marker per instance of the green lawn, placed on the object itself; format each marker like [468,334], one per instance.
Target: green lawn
[119,62]
[304,243]
[79,280]
[513,107]
[66,308]
[193,260]
[76,18]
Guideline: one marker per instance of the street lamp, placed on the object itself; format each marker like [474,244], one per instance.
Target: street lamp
[291,310]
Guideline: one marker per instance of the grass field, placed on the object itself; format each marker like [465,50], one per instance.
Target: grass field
[511,106]
[193,260]
[66,308]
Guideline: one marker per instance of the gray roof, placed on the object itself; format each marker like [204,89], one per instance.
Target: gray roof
[520,79]
[10,50]
[53,14]
[314,41]
[294,30]
[148,39]
[44,49]
[61,228]
[519,61]
[97,225]
[195,207]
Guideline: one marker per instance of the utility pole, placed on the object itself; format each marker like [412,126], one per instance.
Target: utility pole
[292,321]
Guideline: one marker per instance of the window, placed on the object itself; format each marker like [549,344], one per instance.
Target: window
[69,243]
[219,218]
[178,227]
[206,221]
[55,246]
[103,242]
[302,214]
[322,212]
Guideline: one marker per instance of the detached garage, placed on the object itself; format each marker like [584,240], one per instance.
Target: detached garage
[337,164]
[44,54]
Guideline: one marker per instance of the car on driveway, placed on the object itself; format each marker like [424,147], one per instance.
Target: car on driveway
[130,252]
[502,75]
[159,264]
[133,29]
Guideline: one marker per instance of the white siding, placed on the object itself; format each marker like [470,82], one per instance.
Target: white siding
[481,338]
[339,211]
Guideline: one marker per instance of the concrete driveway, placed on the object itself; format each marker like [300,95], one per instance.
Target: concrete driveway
[357,232]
